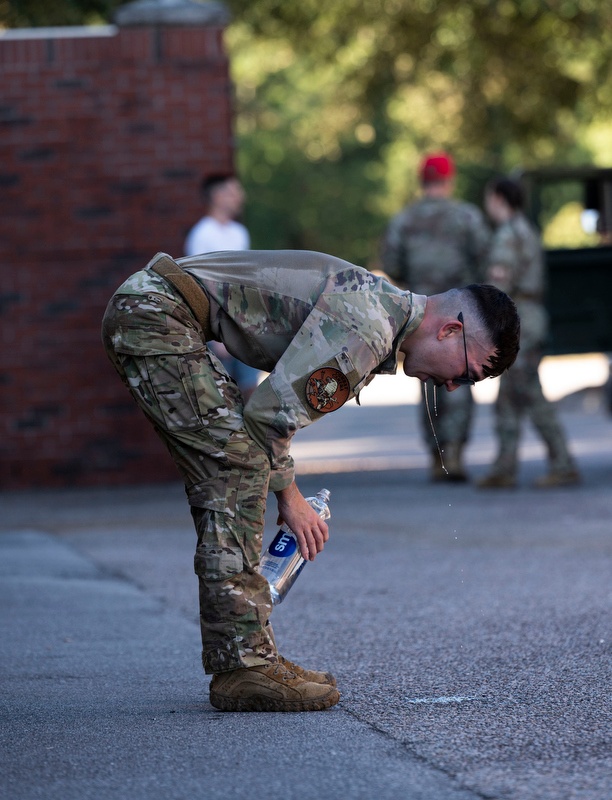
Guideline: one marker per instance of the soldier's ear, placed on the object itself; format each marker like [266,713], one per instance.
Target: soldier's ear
[449,328]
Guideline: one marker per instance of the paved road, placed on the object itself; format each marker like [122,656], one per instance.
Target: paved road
[470,633]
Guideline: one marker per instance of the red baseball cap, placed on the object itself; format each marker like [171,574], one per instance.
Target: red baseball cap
[437,167]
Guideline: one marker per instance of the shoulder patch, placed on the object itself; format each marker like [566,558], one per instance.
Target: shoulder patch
[327,389]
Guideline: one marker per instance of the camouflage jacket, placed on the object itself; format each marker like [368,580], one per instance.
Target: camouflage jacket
[319,325]
[516,246]
[436,244]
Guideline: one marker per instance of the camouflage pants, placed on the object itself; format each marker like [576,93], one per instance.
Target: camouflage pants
[451,415]
[520,394]
[196,408]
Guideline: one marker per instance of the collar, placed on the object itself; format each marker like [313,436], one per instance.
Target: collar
[417,312]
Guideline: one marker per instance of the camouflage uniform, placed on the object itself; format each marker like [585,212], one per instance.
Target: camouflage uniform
[434,245]
[322,328]
[516,246]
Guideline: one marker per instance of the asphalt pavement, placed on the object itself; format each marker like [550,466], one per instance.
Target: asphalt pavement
[470,633]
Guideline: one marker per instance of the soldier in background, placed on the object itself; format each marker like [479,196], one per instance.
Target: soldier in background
[517,267]
[431,246]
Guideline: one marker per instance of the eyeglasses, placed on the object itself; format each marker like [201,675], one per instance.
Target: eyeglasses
[465,379]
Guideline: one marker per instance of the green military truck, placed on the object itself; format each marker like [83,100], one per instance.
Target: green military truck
[573,209]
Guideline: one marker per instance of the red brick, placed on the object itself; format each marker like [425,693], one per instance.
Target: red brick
[94,133]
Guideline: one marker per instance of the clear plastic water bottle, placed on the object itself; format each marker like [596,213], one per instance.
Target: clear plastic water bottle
[282,562]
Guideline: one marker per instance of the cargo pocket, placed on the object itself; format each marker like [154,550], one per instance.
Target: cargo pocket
[214,562]
[215,397]
[175,394]
[191,393]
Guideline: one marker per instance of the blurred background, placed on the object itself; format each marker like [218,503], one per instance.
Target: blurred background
[333,107]
[112,112]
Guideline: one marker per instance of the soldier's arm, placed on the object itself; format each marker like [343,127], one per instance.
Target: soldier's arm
[330,351]
[503,261]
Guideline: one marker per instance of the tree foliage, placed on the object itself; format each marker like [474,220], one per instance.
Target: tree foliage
[40,13]
[348,94]
[335,102]
[493,70]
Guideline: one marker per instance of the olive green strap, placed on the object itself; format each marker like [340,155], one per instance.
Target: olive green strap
[188,287]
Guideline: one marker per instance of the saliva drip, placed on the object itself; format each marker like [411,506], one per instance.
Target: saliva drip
[433,430]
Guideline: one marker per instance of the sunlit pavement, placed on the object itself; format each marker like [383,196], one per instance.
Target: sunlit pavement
[470,631]
[384,432]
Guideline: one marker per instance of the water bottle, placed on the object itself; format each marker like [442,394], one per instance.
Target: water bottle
[282,562]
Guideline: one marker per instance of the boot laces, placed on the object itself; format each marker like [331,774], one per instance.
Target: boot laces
[287,674]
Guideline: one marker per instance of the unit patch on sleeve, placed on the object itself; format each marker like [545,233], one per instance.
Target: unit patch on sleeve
[327,389]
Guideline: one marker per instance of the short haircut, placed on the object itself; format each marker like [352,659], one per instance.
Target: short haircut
[210,183]
[500,318]
[511,191]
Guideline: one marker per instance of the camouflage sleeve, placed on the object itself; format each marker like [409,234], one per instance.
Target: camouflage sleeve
[504,259]
[393,254]
[505,248]
[343,339]
[272,423]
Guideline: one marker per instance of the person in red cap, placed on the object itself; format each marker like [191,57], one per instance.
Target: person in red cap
[435,244]
[437,168]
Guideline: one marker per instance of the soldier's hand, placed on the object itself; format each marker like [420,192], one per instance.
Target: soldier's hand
[311,531]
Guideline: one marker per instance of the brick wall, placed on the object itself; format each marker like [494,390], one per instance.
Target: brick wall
[104,138]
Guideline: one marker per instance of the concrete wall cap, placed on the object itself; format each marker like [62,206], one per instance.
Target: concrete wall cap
[172,12]
[59,32]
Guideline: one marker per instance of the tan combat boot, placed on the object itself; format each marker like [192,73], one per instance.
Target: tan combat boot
[497,480]
[310,675]
[568,477]
[269,687]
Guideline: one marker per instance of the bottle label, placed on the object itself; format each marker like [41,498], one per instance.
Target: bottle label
[283,545]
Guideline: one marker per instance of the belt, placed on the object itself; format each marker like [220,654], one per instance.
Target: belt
[189,289]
